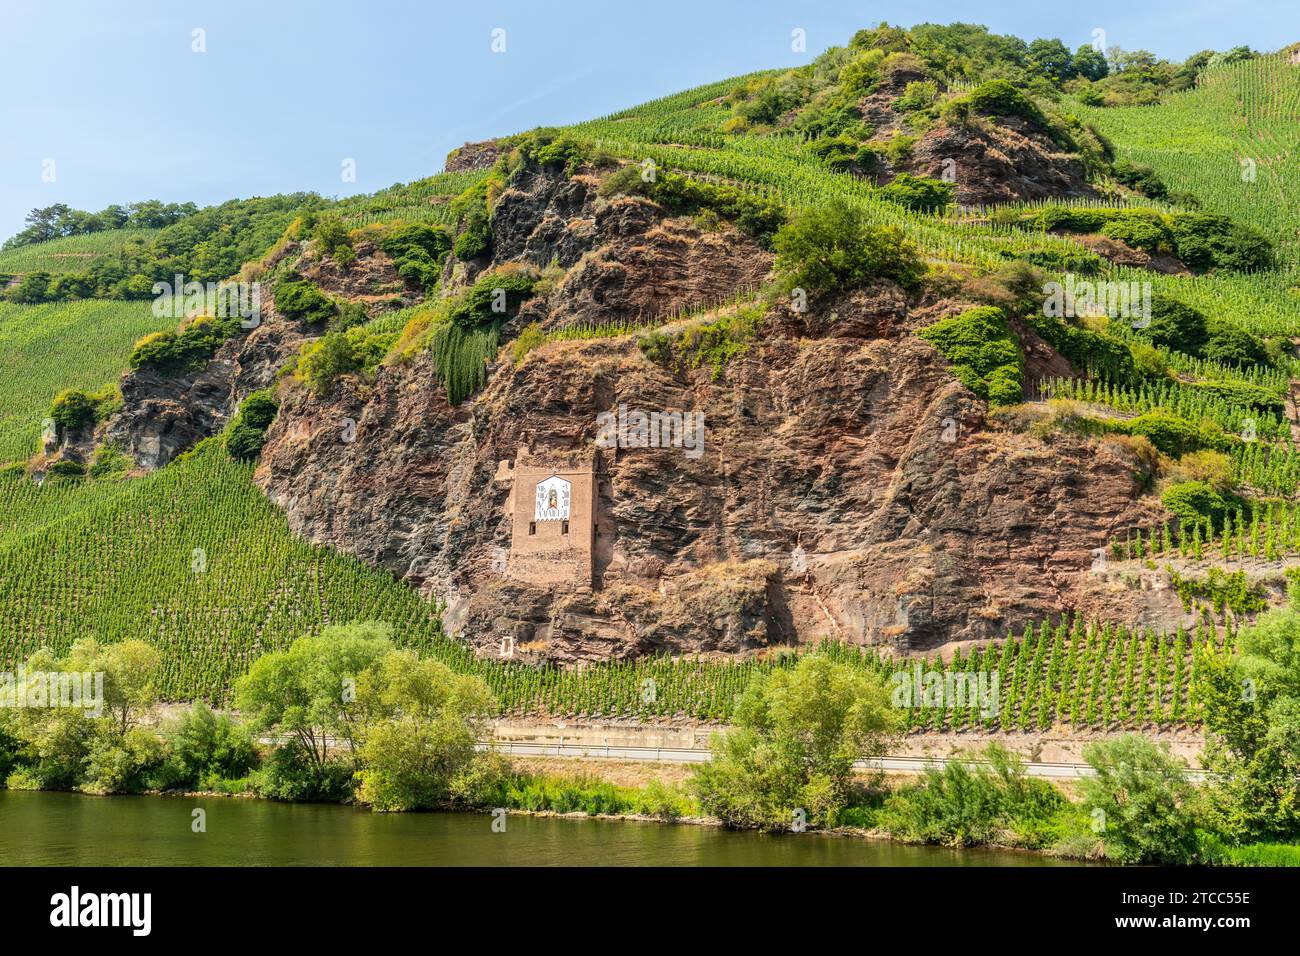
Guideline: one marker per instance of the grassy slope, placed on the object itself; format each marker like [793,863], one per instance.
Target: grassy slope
[115,560]
[47,348]
[70,254]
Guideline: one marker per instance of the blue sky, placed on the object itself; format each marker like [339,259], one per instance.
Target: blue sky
[286,91]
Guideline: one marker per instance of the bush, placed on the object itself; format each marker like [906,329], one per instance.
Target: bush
[186,350]
[795,735]
[288,773]
[72,409]
[298,299]
[1233,345]
[1194,503]
[1176,326]
[418,252]
[1139,802]
[1203,241]
[332,239]
[964,804]
[832,249]
[247,432]
[1138,231]
[984,353]
[919,192]
[682,195]
[1175,436]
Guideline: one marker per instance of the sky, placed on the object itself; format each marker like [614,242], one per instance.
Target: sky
[115,102]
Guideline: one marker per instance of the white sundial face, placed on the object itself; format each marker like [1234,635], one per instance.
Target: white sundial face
[553,497]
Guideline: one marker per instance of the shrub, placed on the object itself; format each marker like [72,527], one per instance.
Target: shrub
[1233,345]
[1138,231]
[1203,241]
[964,804]
[1176,326]
[984,353]
[72,409]
[418,251]
[1175,436]
[682,195]
[527,340]
[66,468]
[1141,178]
[247,432]
[186,350]
[998,98]
[918,95]
[110,462]
[332,239]
[1139,801]
[919,192]
[1194,503]
[795,736]
[298,299]
[832,249]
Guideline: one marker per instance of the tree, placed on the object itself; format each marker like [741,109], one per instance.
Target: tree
[129,669]
[309,691]
[1090,63]
[423,721]
[1052,59]
[832,248]
[206,747]
[1139,803]
[795,737]
[1252,721]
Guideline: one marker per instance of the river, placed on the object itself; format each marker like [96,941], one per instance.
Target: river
[67,829]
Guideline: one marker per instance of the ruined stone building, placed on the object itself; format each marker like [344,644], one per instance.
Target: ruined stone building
[552,502]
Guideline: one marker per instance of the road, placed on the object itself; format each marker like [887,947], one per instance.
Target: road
[1055,771]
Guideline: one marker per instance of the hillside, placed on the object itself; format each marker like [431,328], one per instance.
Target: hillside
[880,467]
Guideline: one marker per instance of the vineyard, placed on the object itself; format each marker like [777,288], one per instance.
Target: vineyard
[69,254]
[47,348]
[197,561]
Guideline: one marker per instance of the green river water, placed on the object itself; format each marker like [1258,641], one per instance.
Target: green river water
[65,829]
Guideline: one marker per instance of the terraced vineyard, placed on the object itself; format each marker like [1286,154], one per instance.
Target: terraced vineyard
[1232,142]
[69,254]
[47,348]
[195,559]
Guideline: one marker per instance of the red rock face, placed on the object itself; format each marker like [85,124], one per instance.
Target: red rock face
[848,487]
[995,161]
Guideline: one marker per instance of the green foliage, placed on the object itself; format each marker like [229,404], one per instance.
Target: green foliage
[299,299]
[418,252]
[919,192]
[966,803]
[833,249]
[205,748]
[711,345]
[996,98]
[530,338]
[795,736]
[1252,719]
[332,239]
[984,353]
[308,693]
[683,195]
[177,353]
[1139,801]
[247,432]
[73,409]
[1173,435]
[422,724]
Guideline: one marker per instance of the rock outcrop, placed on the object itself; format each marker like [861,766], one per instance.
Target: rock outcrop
[848,488]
